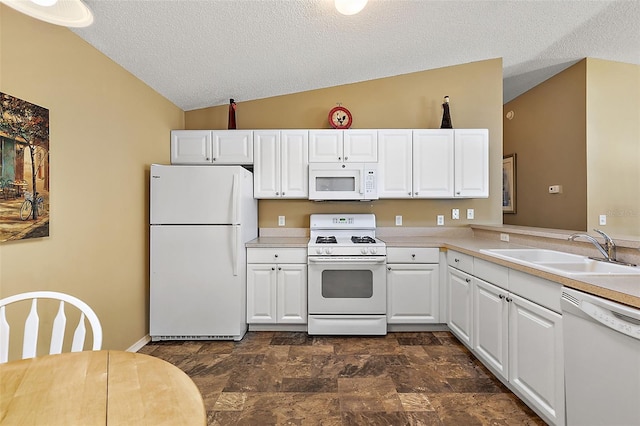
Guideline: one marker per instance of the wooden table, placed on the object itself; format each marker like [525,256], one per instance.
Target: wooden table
[98,388]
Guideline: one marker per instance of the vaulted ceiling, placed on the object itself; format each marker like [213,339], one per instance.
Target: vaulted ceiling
[200,53]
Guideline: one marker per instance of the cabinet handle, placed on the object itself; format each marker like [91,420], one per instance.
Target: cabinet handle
[501,296]
[409,192]
[283,193]
[467,280]
[214,159]
[346,158]
[456,260]
[339,158]
[273,268]
[413,256]
[279,269]
[415,193]
[388,268]
[275,255]
[509,299]
[458,193]
[277,193]
[207,158]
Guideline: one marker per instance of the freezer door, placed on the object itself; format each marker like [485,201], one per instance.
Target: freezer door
[197,194]
[198,277]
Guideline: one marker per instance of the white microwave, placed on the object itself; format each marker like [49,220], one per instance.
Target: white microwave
[343,181]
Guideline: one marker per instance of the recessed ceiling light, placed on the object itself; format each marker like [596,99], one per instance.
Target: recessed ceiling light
[350,7]
[68,13]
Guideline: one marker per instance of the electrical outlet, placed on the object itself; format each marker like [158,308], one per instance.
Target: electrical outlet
[440,220]
[398,220]
[455,214]
[603,219]
[555,189]
[280,220]
[470,214]
[504,237]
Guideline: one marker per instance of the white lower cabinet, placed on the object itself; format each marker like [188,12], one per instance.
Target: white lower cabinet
[460,307]
[518,339]
[413,286]
[276,292]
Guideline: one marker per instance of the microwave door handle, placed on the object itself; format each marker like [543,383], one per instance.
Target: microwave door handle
[362,182]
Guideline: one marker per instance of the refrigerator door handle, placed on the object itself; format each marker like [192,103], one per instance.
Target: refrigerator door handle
[235,202]
[236,245]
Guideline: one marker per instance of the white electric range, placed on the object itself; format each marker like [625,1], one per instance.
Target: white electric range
[347,289]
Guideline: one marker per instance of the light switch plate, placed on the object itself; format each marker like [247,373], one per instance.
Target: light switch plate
[470,214]
[398,220]
[602,219]
[440,220]
[280,220]
[455,214]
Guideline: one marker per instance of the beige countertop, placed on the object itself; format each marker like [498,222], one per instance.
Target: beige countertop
[622,289]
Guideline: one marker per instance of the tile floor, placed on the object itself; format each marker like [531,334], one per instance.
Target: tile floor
[290,378]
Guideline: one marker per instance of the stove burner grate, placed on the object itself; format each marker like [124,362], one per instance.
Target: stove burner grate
[326,240]
[362,240]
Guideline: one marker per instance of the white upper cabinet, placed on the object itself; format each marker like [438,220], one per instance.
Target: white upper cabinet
[353,146]
[281,164]
[433,163]
[211,147]
[471,163]
[191,147]
[394,163]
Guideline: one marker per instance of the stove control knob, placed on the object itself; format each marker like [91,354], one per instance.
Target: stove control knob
[373,250]
[327,251]
[363,250]
[319,250]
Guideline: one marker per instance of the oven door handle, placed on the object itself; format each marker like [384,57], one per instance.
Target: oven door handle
[359,259]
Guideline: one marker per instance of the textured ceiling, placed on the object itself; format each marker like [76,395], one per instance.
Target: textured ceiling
[201,53]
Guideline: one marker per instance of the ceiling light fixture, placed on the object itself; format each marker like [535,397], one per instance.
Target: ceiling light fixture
[350,7]
[67,13]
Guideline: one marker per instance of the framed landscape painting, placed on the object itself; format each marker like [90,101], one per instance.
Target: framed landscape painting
[24,169]
[509,183]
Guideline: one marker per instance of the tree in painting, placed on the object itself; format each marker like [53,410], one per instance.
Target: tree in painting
[27,123]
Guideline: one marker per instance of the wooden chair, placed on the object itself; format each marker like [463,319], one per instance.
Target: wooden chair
[31,325]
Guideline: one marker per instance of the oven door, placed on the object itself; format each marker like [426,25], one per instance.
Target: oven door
[347,285]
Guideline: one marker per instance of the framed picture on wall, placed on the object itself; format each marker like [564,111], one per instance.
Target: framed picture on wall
[509,183]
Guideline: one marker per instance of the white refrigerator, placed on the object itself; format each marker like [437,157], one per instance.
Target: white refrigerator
[201,217]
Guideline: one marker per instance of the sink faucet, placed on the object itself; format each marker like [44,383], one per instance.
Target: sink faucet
[608,250]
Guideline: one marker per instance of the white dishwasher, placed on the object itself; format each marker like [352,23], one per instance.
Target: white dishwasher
[602,361]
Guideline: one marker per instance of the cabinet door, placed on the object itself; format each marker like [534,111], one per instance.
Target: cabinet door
[460,305]
[266,170]
[394,163]
[536,356]
[412,294]
[261,293]
[294,169]
[490,326]
[472,163]
[325,146]
[433,151]
[191,147]
[233,147]
[361,146]
[292,294]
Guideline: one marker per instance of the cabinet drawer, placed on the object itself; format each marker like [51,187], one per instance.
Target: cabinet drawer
[538,290]
[277,255]
[490,272]
[461,261]
[412,255]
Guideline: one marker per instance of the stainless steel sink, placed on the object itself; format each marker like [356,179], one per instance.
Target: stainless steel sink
[561,263]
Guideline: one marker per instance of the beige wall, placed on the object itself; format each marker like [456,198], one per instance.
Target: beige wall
[406,101]
[106,127]
[613,146]
[547,133]
[579,129]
